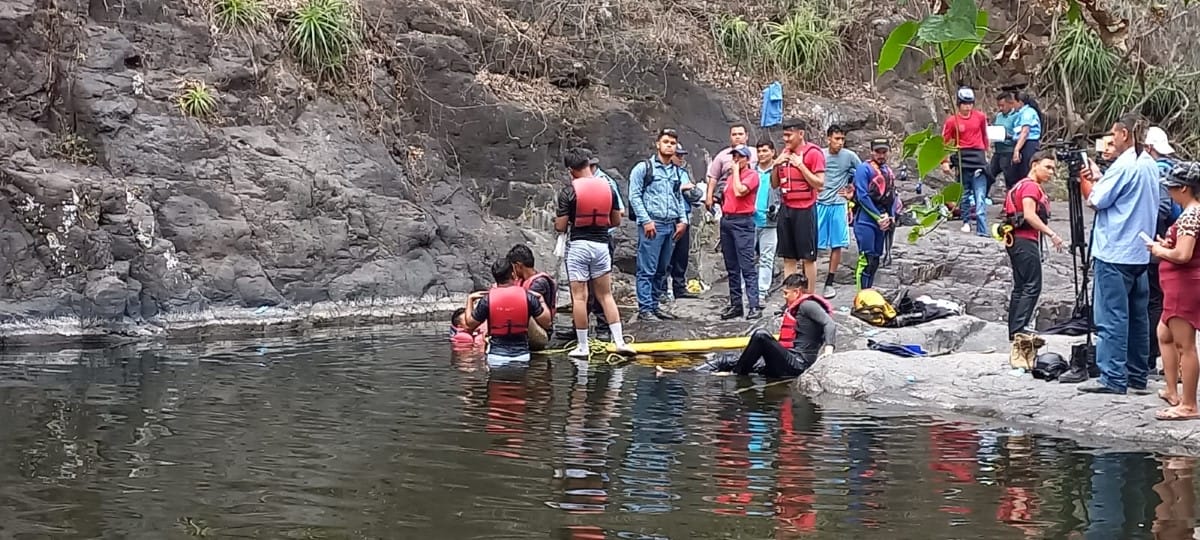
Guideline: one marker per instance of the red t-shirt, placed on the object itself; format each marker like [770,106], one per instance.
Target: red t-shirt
[1014,203]
[814,159]
[969,132]
[744,205]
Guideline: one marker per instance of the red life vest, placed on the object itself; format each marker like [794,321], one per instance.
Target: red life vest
[787,331]
[593,202]
[1014,210]
[881,189]
[529,282]
[794,188]
[508,311]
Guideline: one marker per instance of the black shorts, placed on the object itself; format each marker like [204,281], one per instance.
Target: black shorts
[797,233]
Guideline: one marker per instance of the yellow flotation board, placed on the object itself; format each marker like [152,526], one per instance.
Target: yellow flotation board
[687,346]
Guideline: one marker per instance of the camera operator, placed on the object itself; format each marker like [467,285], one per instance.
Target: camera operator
[1125,199]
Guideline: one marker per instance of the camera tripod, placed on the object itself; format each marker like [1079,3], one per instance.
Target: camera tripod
[1081,261]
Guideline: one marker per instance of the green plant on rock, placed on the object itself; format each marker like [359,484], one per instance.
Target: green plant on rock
[323,34]
[804,44]
[74,148]
[737,38]
[197,100]
[238,14]
[1079,56]
[946,40]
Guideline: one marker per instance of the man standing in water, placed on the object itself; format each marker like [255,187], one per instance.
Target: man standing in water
[507,309]
[799,174]
[521,259]
[833,223]
[587,208]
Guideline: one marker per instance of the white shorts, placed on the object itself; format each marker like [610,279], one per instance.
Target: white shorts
[587,260]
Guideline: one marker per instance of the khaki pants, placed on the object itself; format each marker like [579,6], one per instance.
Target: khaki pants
[538,337]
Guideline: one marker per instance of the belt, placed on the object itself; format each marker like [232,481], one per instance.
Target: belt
[737,215]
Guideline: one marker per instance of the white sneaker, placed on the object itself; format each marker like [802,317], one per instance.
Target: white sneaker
[966,227]
[579,352]
[829,291]
[625,349]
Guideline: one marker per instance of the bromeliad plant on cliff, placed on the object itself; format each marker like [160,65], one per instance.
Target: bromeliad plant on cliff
[802,43]
[946,39]
[323,34]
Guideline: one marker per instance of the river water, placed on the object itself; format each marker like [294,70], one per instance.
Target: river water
[380,435]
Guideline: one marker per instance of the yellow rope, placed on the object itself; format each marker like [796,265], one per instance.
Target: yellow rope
[597,351]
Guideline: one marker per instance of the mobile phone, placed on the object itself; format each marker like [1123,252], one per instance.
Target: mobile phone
[1145,237]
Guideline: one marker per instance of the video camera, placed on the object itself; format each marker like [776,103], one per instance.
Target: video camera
[1072,152]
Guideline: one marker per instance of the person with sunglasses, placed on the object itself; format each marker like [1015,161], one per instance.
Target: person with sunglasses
[658,206]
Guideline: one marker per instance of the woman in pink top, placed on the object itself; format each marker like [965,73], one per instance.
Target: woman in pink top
[966,130]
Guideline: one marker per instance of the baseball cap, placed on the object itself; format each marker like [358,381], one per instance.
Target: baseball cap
[593,160]
[680,151]
[1185,174]
[742,150]
[966,95]
[1156,138]
[880,144]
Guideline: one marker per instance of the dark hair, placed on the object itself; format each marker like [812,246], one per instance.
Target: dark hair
[1044,154]
[765,142]
[667,132]
[1006,94]
[795,281]
[834,129]
[502,271]
[1133,123]
[520,253]
[458,314]
[736,125]
[795,124]
[577,158]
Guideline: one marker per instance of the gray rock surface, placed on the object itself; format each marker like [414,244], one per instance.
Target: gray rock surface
[982,385]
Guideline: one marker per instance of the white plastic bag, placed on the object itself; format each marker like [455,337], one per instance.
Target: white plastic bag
[560,248]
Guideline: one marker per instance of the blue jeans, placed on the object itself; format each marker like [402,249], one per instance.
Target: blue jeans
[653,262]
[737,247]
[1121,296]
[679,264]
[974,199]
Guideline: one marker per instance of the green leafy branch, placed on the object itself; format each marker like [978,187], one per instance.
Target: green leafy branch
[946,40]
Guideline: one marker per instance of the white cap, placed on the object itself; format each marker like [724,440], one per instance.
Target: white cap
[966,95]
[1156,138]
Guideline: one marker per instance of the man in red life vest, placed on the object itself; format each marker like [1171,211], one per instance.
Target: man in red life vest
[806,336]
[799,174]
[507,309]
[587,208]
[521,259]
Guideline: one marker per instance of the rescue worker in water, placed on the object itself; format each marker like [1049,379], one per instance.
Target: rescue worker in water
[806,336]
[507,308]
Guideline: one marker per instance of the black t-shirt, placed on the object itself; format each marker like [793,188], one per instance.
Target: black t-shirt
[814,329]
[566,207]
[508,345]
[545,286]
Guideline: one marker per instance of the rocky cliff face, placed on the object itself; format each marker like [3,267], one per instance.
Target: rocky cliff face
[439,151]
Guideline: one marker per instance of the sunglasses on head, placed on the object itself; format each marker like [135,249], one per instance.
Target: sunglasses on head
[669,132]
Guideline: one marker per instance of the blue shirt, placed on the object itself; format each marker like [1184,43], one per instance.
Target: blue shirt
[764,198]
[1026,116]
[863,176]
[839,170]
[661,200]
[1009,122]
[772,105]
[1126,202]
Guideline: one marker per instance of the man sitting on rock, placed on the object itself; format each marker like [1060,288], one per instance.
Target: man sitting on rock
[521,259]
[507,309]
[806,335]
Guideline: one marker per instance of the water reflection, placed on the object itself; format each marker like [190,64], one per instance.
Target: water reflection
[380,436]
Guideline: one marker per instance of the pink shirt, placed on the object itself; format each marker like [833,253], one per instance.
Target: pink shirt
[722,163]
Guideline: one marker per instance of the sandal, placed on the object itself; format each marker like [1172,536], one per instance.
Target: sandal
[1171,400]
[1174,415]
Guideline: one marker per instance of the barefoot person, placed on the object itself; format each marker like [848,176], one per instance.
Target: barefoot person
[806,336]
[1179,272]
[587,208]
[507,309]
[799,174]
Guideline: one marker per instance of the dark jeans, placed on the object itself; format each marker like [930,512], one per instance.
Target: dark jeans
[593,304]
[1155,309]
[1002,164]
[1026,258]
[1021,170]
[1121,299]
[777,362]
[737,245]
[679,262]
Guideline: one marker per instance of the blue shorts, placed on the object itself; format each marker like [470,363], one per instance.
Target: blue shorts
[833,228]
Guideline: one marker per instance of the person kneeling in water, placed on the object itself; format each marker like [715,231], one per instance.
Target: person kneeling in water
[807,335]
[462,339]
[507,309]
[528,276]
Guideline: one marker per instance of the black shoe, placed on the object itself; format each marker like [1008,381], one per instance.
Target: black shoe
[1098,387]
[664,315]
[686,295]
[731,312]
[754,313]
[647,316]
[1075,376]
[1139,390]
